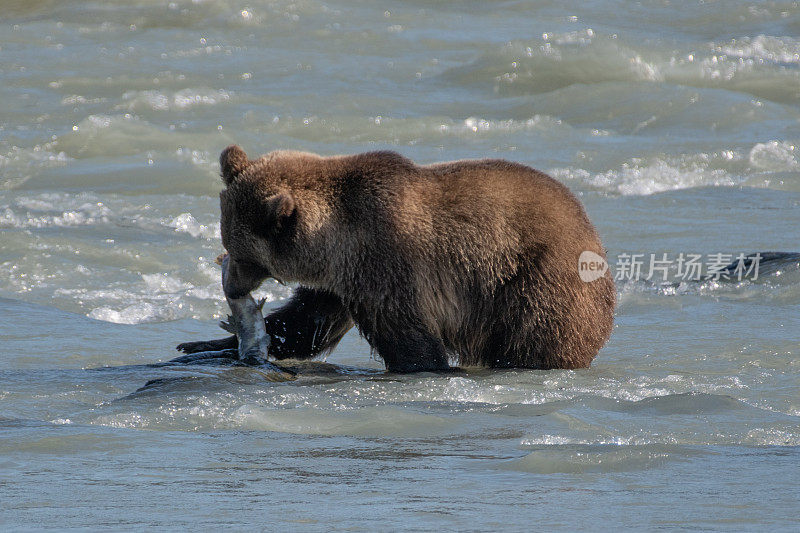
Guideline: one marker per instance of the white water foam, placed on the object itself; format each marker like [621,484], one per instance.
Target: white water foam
[763,48]
[186,223]
[137,313]
[642,176]
[645,176]
[179,100]
[46,210]
[775,156]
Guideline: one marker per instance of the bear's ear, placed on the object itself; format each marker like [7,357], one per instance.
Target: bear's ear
[232,162]
[280,214]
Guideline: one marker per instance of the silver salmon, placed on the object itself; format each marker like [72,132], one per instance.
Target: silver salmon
[247,323]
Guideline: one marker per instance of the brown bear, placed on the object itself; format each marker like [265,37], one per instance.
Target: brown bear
[472,261]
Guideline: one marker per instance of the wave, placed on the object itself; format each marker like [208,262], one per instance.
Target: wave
[176,101]
[18,164]
[103,135]
[771,164]
[398,130]
[629,413]
[61,209]
[579,459]
[640,176]
[760,66]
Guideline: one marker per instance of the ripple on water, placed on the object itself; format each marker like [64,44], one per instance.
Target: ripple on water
[582,459]
[559,60]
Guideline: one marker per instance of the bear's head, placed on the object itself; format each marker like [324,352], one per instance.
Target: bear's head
[259,221]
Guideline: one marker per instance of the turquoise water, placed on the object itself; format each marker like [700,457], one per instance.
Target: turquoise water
[677,123]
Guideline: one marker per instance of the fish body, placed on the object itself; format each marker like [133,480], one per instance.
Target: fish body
[247,323]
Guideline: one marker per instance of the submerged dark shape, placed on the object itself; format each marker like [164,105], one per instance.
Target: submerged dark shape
[768,263]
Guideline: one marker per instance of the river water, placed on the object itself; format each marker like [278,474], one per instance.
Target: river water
[676,122]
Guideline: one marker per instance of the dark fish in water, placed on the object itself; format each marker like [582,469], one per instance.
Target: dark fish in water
[764,263]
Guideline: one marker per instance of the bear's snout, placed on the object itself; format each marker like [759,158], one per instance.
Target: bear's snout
[239,279]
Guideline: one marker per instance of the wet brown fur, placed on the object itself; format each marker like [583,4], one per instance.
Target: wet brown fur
[471,261]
